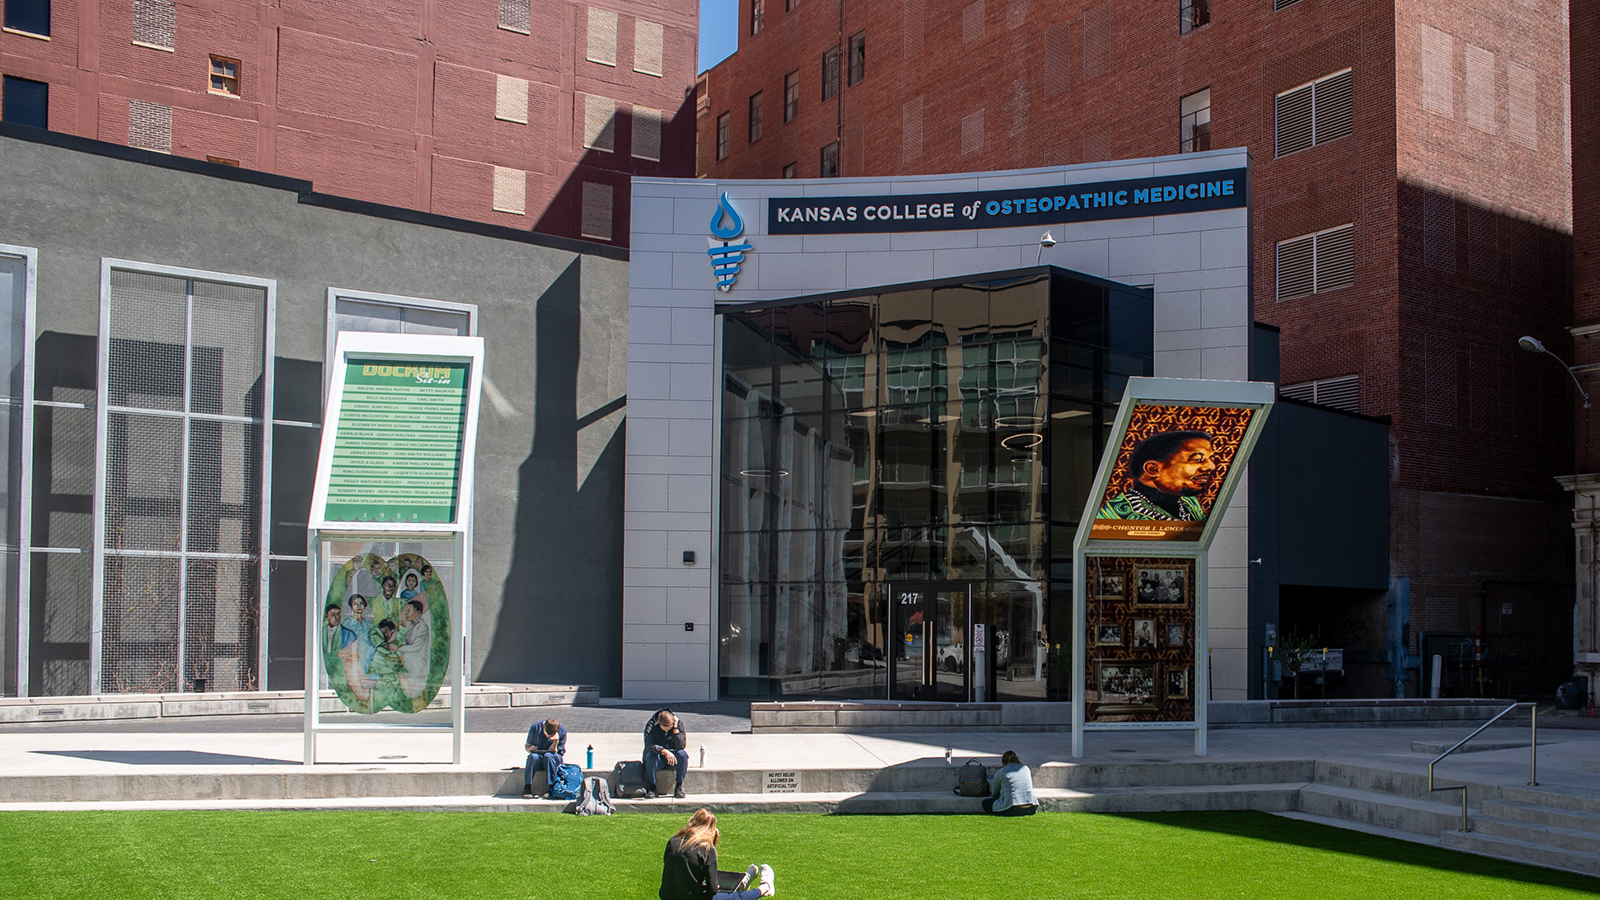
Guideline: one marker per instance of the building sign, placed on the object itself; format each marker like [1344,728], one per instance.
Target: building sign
[726,256]
[1049,205]
[397,447]
[1169,470]
[780,782]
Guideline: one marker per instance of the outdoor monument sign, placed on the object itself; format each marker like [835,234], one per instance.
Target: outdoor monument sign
[389,567]
[1177,451]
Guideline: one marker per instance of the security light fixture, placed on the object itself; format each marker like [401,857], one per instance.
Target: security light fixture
[1046,241]
[1534,345]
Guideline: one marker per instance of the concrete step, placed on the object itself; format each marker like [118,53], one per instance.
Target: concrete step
[1522,851]
[1363,827]
[1266,798]
[1400,813]
[1480,746]
[1554,836]
[1543,815]
[1588,801]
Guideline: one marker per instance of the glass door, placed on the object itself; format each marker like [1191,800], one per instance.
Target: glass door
[931,641]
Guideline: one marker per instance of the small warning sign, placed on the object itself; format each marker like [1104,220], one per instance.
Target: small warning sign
[780,783]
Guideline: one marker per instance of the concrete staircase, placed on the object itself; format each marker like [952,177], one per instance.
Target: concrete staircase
[1526,824]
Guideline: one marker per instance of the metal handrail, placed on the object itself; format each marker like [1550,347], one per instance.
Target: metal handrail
[1533,755]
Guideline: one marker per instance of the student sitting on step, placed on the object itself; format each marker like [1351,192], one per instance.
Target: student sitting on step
[665,743]
[1013,789]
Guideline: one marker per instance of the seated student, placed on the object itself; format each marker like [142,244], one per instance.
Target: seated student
[547,744]
[1013,789]
[689,865]
[665,741]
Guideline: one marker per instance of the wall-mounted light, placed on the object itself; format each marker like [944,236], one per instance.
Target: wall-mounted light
[1046,241]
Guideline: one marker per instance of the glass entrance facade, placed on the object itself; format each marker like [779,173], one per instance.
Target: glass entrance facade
[940,433]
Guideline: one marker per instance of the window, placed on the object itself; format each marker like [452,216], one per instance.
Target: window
[791,95]
[758,15]
[792,170]
[755,117]
[1192,14]
[31,16]
[1316,263]
[1194,122]
[1313,113]
[224,76]
[858,57]
[24,102]
[1343,392]
[830,73]
[830,160]
[180,534]
[724,122]
[362,311]
[791,5]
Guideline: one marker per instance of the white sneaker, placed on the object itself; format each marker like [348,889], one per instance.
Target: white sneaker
[767,890]
[752,875]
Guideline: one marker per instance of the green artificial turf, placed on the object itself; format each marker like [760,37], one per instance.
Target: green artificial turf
[351,855]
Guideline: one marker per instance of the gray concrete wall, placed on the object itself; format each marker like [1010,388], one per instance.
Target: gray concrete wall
[547,585]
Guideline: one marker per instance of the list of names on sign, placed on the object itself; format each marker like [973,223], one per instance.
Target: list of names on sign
[397,448]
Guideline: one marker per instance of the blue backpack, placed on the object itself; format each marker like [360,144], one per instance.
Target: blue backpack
[569,778]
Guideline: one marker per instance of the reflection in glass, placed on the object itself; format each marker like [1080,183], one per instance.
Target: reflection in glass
[904,437]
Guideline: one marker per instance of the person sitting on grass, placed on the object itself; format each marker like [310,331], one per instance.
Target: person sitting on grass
[1013,789]
[546,746]
[689,866]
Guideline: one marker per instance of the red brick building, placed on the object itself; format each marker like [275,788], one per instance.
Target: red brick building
[1585,358]
[1412,219]
[527,113]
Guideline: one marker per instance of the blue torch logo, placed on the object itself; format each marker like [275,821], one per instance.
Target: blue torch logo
[726,256]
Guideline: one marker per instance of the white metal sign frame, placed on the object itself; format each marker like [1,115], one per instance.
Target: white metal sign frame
[1182,392]
[410,350]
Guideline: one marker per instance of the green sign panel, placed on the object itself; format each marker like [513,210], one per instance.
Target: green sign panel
[397,450]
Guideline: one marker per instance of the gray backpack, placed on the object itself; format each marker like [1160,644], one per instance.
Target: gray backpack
[593,798]
[973,780]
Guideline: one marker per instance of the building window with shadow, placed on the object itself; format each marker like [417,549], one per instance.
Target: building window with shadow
[1194,122]
[858,57]
[830,73]
[830,160]
[791,95]
[758,15]
[755,117]
[24,102]
[1192,14]
[724,124]
[28,16]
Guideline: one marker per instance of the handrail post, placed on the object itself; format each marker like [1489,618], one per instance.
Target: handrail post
[1533,745]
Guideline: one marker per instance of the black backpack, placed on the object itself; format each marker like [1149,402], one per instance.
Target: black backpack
[628,777]
[973,780]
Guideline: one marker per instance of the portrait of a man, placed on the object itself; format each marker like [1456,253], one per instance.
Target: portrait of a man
[1167,473]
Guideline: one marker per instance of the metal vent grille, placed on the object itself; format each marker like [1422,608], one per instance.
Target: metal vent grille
[1481,106]
[1313,114]
[1316,263]
[511,99]
[1280,4]
[510,190]
[514,16]
[911,129]
[184,448]
[602,46]
[155,22]
[972,22]
[599,122]
[647,133]
[1057,59]
[911,16]
[1524,105]
[1343,392]
[149,126]
[649,42]
[597,211]
[972,132]
[1016,13]
[1438,72]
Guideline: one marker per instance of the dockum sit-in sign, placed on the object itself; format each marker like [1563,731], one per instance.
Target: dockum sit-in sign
[1048,205]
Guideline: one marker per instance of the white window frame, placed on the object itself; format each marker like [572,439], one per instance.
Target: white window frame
[101,428]
[331,332]
[24,496]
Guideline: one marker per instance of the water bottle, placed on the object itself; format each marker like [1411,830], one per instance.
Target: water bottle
[590,763]
[947,750]
[702,756]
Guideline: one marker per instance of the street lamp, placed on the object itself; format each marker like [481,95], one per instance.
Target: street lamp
[1534,345]
[1049,241]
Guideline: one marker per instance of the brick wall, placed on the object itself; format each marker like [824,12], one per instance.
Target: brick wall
[391,101]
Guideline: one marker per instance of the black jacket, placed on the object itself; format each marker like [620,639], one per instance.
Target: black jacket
[656,739]
[688,874]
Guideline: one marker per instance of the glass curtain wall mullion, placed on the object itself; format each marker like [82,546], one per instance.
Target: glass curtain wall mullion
[23,261]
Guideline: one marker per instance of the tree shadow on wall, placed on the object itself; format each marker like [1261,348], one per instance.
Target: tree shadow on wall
[560,619]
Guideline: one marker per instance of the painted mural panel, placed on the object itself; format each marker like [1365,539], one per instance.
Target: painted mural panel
[1171,466]
[385,633]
